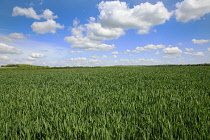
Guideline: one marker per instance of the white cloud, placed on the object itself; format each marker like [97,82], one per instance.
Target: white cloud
[187,53]
[82,61]
[115,52]
[6,49]
[114,18]
[78,59]
[191,9]
[76,22]
[103,56]
[202,41]
[189,49]
[126,52]
[140,61]
[17,36]
[36,55]
[47,14]
[135,51]
[128,62]
[11,37]
[195,54]
[75,52]
[31,58]
[143,59]
[157,53]
[48,26]
[6,39]
[208,49]
[180,44]
[171,52]
[96,32]
[87,44]
[31,13]
[116,14]
[95,56]
[148,48]
[90,37]
[5,58]
[28,12]
[199,54]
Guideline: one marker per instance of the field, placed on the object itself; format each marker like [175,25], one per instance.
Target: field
[106,103]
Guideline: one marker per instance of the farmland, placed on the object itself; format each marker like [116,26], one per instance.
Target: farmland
[106,103]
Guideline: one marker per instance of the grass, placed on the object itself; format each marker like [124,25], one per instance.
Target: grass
[106,103]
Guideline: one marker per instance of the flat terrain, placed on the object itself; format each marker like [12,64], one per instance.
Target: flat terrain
[106,103]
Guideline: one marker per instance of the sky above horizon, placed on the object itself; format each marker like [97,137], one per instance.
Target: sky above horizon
[104,33]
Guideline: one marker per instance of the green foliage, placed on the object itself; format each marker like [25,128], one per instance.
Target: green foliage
[106,103]
[23,67]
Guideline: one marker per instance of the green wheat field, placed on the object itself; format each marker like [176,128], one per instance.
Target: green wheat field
[107,103]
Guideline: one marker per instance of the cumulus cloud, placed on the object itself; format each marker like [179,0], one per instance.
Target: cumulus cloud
[126,52]
[31,13]
[148,48]
[47,14]
[147,60]
[202,41]
[36,55]
[128,61]
[82,61]
[103,56]
[49,26]
[191,9]
[195,54]
[96,32]
[17,36]
[116,14]
[114,18]
[75,52]
[189,49]
[87,44]
[6,39]
[11,37]
[188,53]
[140,61]
[90,37]
[198,54]
[76,22]
[208,49]
[78,59]
[171,52]
[115,52]
[6,49]
[28,12]
[31,58]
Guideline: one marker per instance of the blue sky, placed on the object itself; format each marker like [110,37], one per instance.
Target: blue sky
[104,33]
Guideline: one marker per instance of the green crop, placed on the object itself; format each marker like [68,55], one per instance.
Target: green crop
[106,103]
